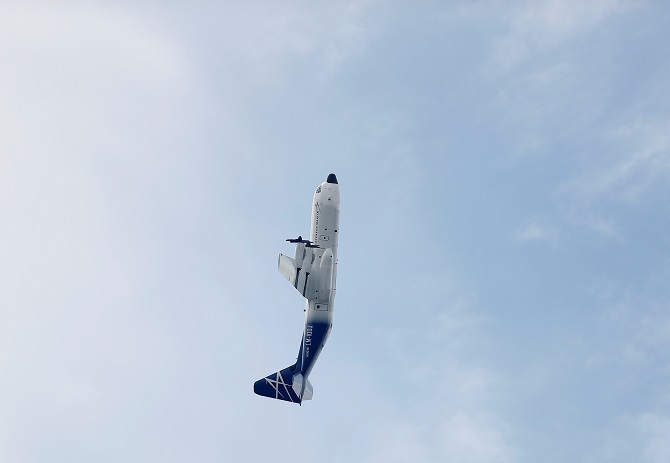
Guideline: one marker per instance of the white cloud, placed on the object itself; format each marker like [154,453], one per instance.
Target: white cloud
[474,439]
[538,231]
[636,160]
[96,192]
[75,77]
[581,215]
[450,412]
[399,442]
[643,438]
[657,430]
[539,26]
[637,319]
[259,41]
[450,420]
[633,165]
[348,38]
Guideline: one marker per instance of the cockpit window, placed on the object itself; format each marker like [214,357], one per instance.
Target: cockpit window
[318,190]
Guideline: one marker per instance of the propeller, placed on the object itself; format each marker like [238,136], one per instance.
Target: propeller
[299,240]
[310,245]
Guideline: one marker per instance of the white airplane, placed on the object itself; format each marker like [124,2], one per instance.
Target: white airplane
[312,272]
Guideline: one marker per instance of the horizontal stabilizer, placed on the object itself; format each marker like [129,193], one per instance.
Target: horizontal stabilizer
[297,387]
[278,385]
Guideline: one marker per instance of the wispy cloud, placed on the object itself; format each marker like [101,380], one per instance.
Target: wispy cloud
[636,319]
[644,437]
[452,422]
[539,26]
[475,439]
[632,166]
[349,36]
[265,40]
[450,413]
[637,159]
[580,215]
[539,232]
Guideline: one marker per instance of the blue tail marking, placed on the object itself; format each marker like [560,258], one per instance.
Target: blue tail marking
[278,385]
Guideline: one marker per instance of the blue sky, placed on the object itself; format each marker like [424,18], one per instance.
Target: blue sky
[503,290]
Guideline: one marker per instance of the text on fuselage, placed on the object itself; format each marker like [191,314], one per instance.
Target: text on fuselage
[308,339]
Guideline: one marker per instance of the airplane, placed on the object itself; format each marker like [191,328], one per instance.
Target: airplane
[312,272]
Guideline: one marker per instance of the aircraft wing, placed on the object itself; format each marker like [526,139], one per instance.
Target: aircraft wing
[299,277]
[288,268]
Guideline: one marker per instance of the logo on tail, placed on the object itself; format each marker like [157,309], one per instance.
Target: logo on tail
[276,386]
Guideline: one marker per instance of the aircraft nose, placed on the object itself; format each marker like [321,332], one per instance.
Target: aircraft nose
[331,179]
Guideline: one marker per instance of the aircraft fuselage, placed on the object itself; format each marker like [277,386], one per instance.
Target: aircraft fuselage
[313,273]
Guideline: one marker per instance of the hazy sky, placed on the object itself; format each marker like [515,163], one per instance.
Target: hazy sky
[504,263]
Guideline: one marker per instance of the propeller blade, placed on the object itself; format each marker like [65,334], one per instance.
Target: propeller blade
[298,240]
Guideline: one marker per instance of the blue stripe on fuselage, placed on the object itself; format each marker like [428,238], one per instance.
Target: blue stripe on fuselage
[313,339]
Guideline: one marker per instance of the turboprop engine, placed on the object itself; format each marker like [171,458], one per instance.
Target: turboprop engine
[324,282]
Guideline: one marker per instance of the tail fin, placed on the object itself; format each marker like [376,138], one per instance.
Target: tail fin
[305,393]
[283,385]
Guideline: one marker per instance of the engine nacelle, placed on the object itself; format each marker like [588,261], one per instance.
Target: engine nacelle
[324,283]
